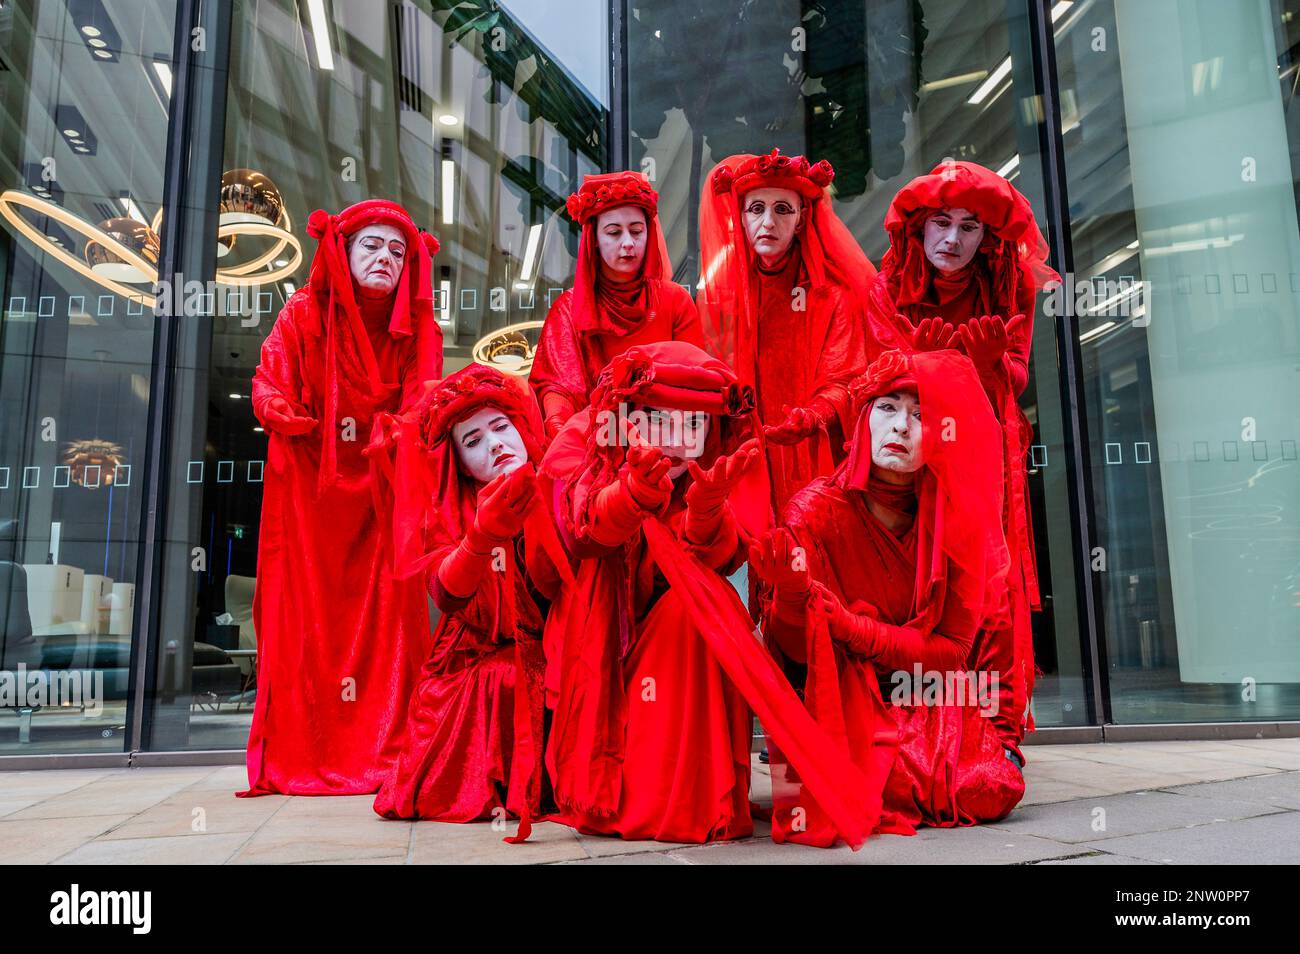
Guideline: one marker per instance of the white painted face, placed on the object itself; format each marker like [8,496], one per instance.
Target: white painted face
[895,424]
[681,435]
[376,255]
[772,218]
[952,237]
[621,234]
[488,444]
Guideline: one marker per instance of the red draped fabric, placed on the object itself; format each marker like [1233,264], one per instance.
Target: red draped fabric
[1003,280]
[339,640]
[940,578]
[596,320]
[653,667]
[796,333]
[473,741]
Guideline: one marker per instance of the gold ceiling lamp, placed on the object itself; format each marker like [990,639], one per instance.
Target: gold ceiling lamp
[507,349]
[123,252]
[136,236]
[78,456]
[251,204]
[112,250]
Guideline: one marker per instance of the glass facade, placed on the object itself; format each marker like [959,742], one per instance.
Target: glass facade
[1181,142]
[178,146]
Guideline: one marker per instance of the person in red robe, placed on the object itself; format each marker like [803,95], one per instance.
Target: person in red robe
[652,665]
[965,263]
[623,294]
[782,289]
[340,641]
[881,577]
[474,733]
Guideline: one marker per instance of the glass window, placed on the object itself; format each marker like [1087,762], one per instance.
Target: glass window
[85,96]
[1182,149]
[884,91]
[452,109]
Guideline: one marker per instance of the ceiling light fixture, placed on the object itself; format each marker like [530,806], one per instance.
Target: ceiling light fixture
[320,34]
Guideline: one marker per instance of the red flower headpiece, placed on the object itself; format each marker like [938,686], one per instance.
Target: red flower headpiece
[775,171]
[457,396]
[892,371]
[647,375]
[601,192]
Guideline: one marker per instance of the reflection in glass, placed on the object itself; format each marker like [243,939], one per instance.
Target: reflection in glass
[81,169]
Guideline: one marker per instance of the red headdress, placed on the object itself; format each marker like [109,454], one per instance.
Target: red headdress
[961,548]
[596,305]
[666,374]
[333,297]
[433,500]
[1011,258]
[828,251]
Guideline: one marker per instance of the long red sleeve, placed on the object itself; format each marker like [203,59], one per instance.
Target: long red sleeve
[279,372]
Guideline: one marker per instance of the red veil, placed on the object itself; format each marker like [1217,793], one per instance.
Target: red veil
[600,307]
[828,251]
[961,553]
[329,282]
[1010,265]
[960,486]
[587,739]
[431,502]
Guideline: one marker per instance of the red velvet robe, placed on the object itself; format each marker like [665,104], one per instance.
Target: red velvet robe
[461,739]
[340,642]
[568,361]
[804,357]
[686,728]
[950,768]
[958,302]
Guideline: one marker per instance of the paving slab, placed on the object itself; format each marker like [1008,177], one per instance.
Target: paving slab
[1114,816]
[981,845]
[193,849]
[1279,791]
[1264,840]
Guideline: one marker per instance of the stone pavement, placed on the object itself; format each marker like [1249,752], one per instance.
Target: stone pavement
[1114,803]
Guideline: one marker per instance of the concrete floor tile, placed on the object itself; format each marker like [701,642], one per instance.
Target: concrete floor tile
[47,782]
[1267,839]
[1279,791]
[211,811]
[305,840]
[1098,859]
[978,845]
[479,843]
[41,841]
[1094,819]
[643,858]
[181,850]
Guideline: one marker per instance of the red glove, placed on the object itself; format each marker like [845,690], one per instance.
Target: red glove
[777,559]
[646,469]
[504,503]
[558,410]
[800,424]
[278,414]
[706,498]
[985,340]
[897,647]
[502,506]
[932,334]
[643,487]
